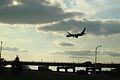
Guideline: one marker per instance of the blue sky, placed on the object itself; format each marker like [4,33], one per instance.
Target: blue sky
[36,29]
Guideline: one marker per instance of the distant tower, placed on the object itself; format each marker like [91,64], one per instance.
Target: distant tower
[1,49]
[17,59]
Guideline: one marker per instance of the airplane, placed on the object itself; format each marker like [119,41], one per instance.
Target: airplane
[76,35]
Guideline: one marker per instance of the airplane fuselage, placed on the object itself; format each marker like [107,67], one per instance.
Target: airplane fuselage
[76,35]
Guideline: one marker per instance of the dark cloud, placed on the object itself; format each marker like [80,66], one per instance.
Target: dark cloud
[87,53]
[14,49]
[33,11]
[113,54]
[78,57]
[5,2]
[76,53]
[104,27]
[64,43]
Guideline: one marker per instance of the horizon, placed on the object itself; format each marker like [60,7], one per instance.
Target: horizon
[36,30]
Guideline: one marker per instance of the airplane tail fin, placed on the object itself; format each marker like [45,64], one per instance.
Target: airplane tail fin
[83,30]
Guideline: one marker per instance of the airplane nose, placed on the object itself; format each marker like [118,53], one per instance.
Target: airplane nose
[67,35]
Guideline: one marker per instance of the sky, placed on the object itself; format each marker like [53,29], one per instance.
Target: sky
[36,30]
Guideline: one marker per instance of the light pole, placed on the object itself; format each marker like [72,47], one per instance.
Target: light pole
[1,49]
[96,57]
[96,53]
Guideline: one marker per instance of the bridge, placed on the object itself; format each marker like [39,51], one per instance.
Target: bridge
[102,65]
[65,66]
[15,64]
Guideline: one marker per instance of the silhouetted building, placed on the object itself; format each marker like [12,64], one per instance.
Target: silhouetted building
[17,59]
[16,66]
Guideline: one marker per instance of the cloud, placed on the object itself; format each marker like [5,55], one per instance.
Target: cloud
[94,27]
[78,57]
[33,12]
[111,11]
[87,53]
[113,54]
[76,53]
[5,2]
[23,51]
[14,49]
[64,43]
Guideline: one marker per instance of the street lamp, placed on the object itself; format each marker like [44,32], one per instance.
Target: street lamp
[96,53]
[96,57]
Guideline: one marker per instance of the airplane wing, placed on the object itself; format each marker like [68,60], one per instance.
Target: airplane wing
[68,33]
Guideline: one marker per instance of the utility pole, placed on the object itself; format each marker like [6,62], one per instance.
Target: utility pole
[1,49]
